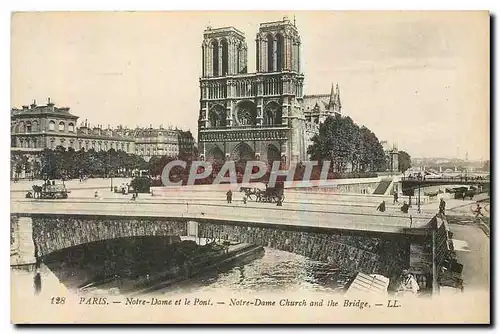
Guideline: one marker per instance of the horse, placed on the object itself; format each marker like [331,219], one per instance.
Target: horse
[37,190]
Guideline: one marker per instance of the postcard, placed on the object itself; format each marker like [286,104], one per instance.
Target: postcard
[264,167]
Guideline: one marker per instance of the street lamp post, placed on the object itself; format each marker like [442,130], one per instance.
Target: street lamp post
[110,172]
[111,177]
[419,184]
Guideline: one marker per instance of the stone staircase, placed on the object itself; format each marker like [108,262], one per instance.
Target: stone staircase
[382,187]
[23,249]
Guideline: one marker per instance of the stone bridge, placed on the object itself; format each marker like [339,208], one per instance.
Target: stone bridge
[409,185]
[371,252]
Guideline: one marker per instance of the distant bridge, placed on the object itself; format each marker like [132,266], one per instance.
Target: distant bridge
[410,184]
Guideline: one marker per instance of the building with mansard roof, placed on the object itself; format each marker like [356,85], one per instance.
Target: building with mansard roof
[263,115]
[38,127]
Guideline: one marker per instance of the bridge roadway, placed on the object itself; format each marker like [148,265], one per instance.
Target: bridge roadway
[308,214]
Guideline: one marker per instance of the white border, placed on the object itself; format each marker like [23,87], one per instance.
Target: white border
[146,5]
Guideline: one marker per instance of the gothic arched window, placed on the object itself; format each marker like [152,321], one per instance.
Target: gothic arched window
[280,46]
[270,53]
[215,58]
[225,57]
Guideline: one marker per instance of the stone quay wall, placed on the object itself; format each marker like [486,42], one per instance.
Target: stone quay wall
[347,188]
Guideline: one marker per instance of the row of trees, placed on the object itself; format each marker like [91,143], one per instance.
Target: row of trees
[347,146]
[68,163]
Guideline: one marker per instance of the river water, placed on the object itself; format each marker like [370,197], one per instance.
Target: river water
[275,271]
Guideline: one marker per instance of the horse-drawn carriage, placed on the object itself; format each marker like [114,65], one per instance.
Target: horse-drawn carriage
[49,191]
[269,195]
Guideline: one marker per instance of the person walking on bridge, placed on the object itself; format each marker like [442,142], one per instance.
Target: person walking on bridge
[395,198]
[229,196]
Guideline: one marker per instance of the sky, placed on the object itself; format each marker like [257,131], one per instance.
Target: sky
[416,79]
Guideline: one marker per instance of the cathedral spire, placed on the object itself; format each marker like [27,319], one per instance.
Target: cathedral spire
[331,103]
[338,105]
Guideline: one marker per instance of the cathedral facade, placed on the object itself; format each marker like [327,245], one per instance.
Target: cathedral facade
[257,116]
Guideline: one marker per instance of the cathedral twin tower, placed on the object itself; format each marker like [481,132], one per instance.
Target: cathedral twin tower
[255,116]
[225,50]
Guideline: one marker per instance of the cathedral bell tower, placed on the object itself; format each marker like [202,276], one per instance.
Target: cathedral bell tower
[224,55]
[224,52]
[278,47]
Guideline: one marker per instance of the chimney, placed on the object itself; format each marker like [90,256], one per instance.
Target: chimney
[33,105]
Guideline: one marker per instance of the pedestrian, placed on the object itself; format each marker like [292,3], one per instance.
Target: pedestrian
[478,211]
[405,207]
[463,195]
[381,207]
[442,206]
[244,200]
[37,281]
[395,198]
[229,196]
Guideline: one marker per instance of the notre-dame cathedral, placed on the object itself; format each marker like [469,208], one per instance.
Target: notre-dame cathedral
[257,116]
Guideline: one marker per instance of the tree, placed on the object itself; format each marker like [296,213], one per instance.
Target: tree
[343,142]
[404,161]
[27,167]
[19,168]
[49,164]
[35,168]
